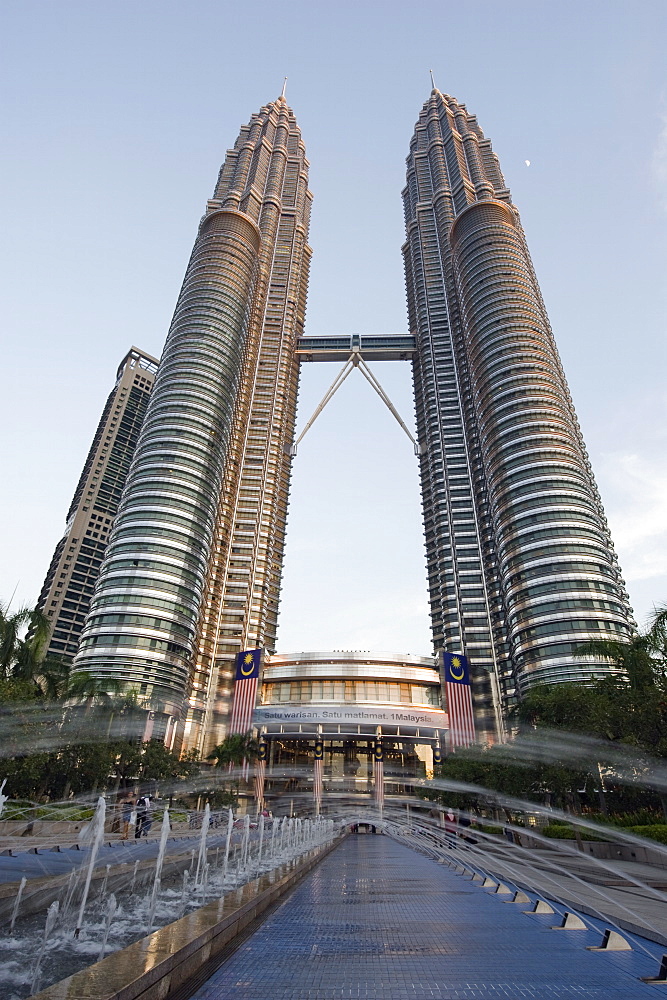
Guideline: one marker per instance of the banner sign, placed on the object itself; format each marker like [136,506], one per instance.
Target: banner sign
[390,715]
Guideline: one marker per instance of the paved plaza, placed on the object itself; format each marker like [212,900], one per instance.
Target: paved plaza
[376,920]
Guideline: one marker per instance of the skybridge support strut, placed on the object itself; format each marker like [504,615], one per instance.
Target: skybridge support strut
[355,360]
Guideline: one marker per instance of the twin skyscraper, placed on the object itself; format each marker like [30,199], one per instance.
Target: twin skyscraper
[521,568]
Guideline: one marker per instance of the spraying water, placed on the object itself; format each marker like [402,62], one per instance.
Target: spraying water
[201,859]
[105,881]
[134,876]
[69,894]
[17,903]
[246,837]
[51,917]
[230,830]
[164,835]
[184,892]
[204,883]
[110,914]
[96,835]
[261,841]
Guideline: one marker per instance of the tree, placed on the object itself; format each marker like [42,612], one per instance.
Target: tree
[235,749]
[24,639]
[634,657]
[642,657]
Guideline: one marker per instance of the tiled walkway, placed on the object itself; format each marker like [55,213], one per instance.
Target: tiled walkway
[377,921]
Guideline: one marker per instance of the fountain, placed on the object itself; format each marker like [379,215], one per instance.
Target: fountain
[69,895]
[3,797]
[201,859]
[134,876]
[95,836]
[17,903]
[184,893]
[110,914]
[260,842]
[51,917]
[164,834]
[246,837]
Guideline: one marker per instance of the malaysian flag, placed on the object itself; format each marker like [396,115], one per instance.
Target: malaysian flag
[459,700]
[245,690]
[317,775]
[378,773]
[260,774]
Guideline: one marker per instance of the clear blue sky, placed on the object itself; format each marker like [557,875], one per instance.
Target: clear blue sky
[116,116]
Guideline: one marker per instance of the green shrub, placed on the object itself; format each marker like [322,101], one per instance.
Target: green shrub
[641,817]
[557,831]
[656,831]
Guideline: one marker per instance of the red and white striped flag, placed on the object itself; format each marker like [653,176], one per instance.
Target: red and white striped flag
[378,773]
[459,700]
[318,772]
[245,690]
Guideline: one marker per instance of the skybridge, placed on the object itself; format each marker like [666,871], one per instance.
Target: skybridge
[378,347]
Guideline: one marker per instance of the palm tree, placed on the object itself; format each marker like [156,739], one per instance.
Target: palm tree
[634,657]
[24,638]
[235,749]
[642,657]
[12,628]
[657,635]
[83,687]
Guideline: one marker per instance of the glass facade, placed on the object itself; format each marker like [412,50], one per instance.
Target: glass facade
[382,692]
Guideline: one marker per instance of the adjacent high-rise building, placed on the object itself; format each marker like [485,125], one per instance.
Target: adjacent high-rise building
[71,578]
[521,568]
[192,570]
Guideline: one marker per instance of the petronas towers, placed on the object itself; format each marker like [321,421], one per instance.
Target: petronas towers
[521,569]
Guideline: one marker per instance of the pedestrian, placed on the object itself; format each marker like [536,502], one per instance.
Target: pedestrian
[450,828]
[141,811]
[126,814]
[148,818]
[464,827]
